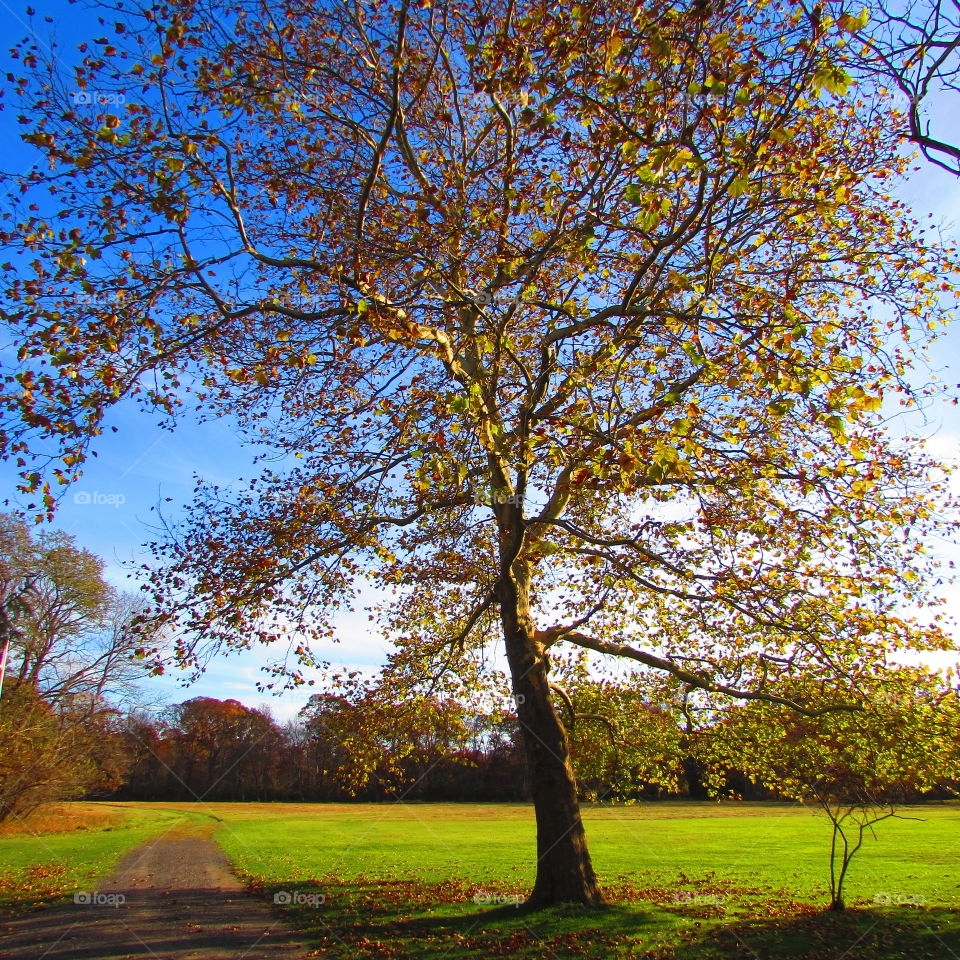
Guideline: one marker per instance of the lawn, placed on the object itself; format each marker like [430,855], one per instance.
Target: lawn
[68,847]
[758,844]
[686,881]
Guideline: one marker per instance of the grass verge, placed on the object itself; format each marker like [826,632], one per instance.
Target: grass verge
[65,848]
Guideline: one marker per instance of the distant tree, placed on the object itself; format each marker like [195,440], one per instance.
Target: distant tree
[572,324]
[74,639]
[363,737]
[71,664]
[223,750]
[625,738]
[857,768]
[149,773]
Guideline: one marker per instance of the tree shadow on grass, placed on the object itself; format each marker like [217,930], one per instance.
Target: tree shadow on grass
[362,919]
[855,934]
[452,920]
[538,935]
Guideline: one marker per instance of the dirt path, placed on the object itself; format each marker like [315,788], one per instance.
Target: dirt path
[181,901]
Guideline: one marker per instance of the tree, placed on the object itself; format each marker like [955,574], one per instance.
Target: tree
[855,768]
[223,750]
[16,604]
[342,747]
[364,736]
[150,760]
[73,639]
[915,47]
[570,324]
[71,663]
[39,759]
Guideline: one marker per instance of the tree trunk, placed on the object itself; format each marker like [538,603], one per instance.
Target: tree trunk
[564,871]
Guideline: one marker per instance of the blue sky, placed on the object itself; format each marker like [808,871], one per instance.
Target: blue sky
[112,509]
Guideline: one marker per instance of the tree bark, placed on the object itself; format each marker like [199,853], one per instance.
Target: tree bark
[564,871]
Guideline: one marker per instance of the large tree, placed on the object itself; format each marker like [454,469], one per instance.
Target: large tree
[568,324]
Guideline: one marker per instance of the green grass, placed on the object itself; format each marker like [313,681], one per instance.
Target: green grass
[684,881]
[756,844]
[54,855]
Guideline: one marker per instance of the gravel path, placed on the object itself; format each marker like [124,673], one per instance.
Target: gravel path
[181,901]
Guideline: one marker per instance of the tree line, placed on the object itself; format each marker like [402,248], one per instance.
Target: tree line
[220,750]
[73,723]
[443,750]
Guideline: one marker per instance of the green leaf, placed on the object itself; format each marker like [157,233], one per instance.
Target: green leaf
[832,78]
[647,220]
[835,425]
[851,24]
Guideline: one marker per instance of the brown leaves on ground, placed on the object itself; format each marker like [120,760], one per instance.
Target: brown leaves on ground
[41,882]
[63,818]
[696,919]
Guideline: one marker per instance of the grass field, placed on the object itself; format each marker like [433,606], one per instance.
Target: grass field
[683,880]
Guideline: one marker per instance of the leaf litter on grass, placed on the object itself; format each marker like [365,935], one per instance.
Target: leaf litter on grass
[697,918]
